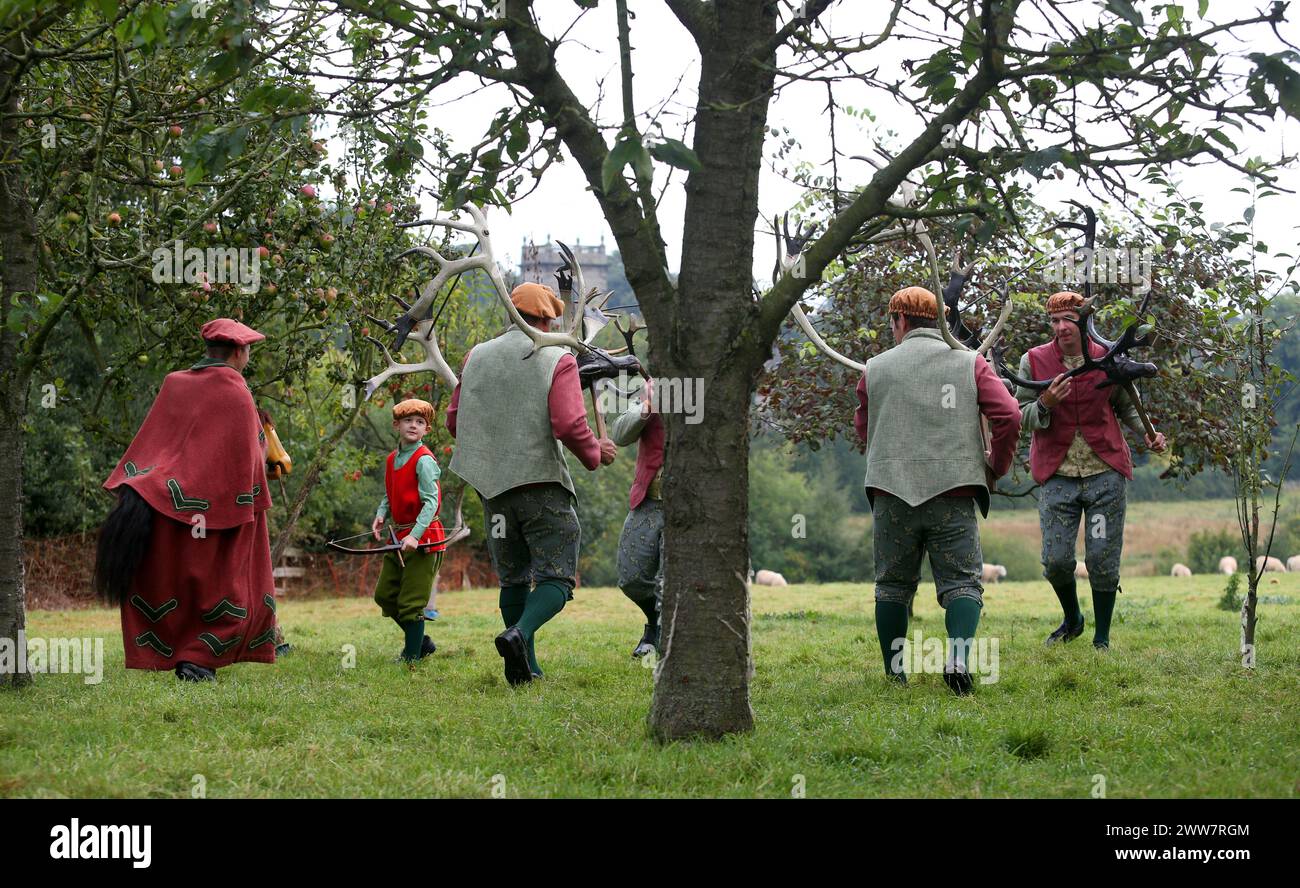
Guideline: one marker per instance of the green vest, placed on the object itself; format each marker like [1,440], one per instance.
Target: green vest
[923,420]
[503,419]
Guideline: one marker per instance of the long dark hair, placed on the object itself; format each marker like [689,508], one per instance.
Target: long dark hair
[123,540]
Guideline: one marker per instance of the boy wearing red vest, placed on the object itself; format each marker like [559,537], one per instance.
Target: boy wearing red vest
[412,496]
[1080,457]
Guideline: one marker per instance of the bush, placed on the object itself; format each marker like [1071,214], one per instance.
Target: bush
[1206,548]
[799,526]
[1231,600]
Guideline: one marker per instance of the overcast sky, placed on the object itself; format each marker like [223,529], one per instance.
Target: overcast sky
[663,54]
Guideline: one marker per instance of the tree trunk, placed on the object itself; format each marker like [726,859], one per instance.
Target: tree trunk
[702,679]
[13,388]
[1252,587]
[18,246]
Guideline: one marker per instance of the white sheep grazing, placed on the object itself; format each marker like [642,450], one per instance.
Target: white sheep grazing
[769,578]
[992,573]
[1293,563]
[1274,565]
[1227,565]
[1081,571]
[1180,570]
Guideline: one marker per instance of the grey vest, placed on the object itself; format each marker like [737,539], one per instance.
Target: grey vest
[503,419]
[923,420]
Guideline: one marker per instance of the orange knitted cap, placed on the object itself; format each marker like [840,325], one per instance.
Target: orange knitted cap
[413,407]
[537,300]
[916,301]
[1066,300]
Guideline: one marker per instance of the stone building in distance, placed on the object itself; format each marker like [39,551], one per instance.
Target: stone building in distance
[539,262]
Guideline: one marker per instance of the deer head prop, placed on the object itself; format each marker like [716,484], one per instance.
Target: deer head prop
[1118,368]
[584,319]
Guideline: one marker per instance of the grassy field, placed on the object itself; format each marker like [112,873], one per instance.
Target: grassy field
[1168,712]
[1156,534]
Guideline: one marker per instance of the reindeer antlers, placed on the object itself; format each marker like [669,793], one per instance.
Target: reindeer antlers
[433,359]
[486,261]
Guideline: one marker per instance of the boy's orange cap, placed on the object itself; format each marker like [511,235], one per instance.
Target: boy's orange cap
[413,407]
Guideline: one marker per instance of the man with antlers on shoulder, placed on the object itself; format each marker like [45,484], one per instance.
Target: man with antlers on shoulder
[919,409]
[1079,456]
[509,414]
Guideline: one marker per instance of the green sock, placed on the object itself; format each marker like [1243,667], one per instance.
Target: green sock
[512,603]
[961,618]
[891,626]
[544,602]
[532,657]
[1067,592]
[414,639]
[1103,607]
[650,608]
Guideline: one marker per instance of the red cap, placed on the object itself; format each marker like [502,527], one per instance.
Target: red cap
[228,330]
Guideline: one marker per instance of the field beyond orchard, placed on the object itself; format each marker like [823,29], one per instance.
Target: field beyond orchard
[1167,712]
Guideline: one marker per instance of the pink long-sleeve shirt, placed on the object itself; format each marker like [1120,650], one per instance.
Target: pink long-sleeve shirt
[568,412]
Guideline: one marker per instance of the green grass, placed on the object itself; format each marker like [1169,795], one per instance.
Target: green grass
[1168,712]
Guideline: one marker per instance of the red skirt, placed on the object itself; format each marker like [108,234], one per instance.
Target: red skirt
[207,601]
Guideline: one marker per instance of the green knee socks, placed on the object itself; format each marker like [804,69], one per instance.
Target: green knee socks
[1103,608]
[891,628]
[544,602]
[650,608]
[414,639]
[961,618]
[513,599]
[1067,592]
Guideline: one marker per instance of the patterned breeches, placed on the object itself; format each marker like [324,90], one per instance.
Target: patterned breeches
[1101,498]
[533,535]
[640,552]
[944,527]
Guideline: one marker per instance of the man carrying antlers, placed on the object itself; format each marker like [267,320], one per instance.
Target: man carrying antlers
[919,408]
[510,412]
[1079,456]
[641,543]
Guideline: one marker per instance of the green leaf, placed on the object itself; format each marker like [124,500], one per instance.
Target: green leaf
[1203,8]
[1125,10]
[1218,136]
[1039,161]
[676,154]
[1275,70]
[621,155]
[972,39]
[108,8]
